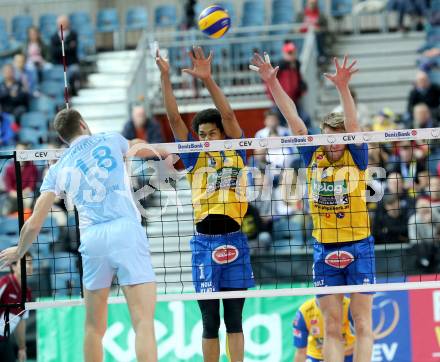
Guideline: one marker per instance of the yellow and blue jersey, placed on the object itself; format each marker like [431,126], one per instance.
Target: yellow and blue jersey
[336,193]
[218,184]
[308,328]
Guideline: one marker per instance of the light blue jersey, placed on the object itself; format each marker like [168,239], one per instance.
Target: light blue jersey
[92,173]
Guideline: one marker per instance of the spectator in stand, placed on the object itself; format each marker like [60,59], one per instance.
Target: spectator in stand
[70,49]
[429,58]
[312,19]
[422,117]
[384,120]
[417,9]
[289,76]
[424,233]
[10,293]
[13,97]
[278,157]
[29,177]
[37,53]
[410,160]
[395,186]
[363,114]
[424,92]
[27,76]
[390,223]
[8,129]
[141,127]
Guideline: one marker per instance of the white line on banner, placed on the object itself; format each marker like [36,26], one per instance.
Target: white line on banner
[262,293]
[272,142]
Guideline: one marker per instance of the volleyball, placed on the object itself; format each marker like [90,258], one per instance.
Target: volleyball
[214,21]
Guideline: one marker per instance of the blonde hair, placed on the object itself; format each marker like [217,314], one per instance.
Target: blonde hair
[335,120]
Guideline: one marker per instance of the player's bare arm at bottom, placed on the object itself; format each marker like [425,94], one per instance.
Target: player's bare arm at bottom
[179,128]
[30,230]
[286,105]
[300,355]
[202,70]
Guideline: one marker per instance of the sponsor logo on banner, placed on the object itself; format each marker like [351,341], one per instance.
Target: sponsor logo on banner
[391,327]
[309,138]
[228,144]
[225,254]
[263,142]
[339,259]
[331,139]
[206,144]
[190,146]
[400,134]
[294,140]
[349,138]
[245,143]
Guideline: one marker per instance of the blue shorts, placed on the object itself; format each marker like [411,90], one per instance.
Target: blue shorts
[346,359]
[221,261]
[118,247]
[349,264]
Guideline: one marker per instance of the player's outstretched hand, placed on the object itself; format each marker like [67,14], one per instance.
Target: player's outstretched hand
[8,256]
[343,73]
[201,65]
[263,67]
[162,63]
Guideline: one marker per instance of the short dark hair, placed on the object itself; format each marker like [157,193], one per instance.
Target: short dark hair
[67,124]
[210,115]
[272,113]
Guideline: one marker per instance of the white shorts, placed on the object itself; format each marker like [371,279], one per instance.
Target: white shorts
[116,247]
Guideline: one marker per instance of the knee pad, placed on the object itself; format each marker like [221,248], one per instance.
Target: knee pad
[210,310]
[233,309]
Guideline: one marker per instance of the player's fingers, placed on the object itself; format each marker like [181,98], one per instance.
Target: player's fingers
[329,76]
[191,56]
[353,63]
[254,68]
[255,61]
[198,52]
[266,58]
[353,71]
[277,68]
[344,64]
[211,54]
[189,71]
[259,60]
[335,60]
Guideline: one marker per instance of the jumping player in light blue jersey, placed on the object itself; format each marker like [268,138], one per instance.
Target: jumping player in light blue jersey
[91,173]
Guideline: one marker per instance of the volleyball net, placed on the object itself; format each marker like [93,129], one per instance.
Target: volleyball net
[401,193]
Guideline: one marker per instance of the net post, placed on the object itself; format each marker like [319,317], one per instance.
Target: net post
[20,210]
[79,254]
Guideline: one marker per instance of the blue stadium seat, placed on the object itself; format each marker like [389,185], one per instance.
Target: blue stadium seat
[40,250]
[283,12]
[165,16]
[3,25]
[340,8]
[20,26]
[50,232]
[47,25]
[64,262]
[35,120]
[243,52]
[4,42]
[435,5]
[253,13]
[136,18]
[64,285]
[78,19]
[8,241]
[9,226]
[53,89]
[86,42]
[32,136]
[43,104]
[54,73]
[107,21]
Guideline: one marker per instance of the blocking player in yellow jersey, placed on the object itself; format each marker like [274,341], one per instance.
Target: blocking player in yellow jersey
[220,252]
[343,245]
[308,332]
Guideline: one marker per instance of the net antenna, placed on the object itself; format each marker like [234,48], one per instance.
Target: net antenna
[66,90]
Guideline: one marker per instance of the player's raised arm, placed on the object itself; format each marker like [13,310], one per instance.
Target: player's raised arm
[202,70]
[286,105]
[30,230]
[178,127]
[341,79]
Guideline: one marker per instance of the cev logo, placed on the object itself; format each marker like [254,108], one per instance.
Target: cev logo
[389,315]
